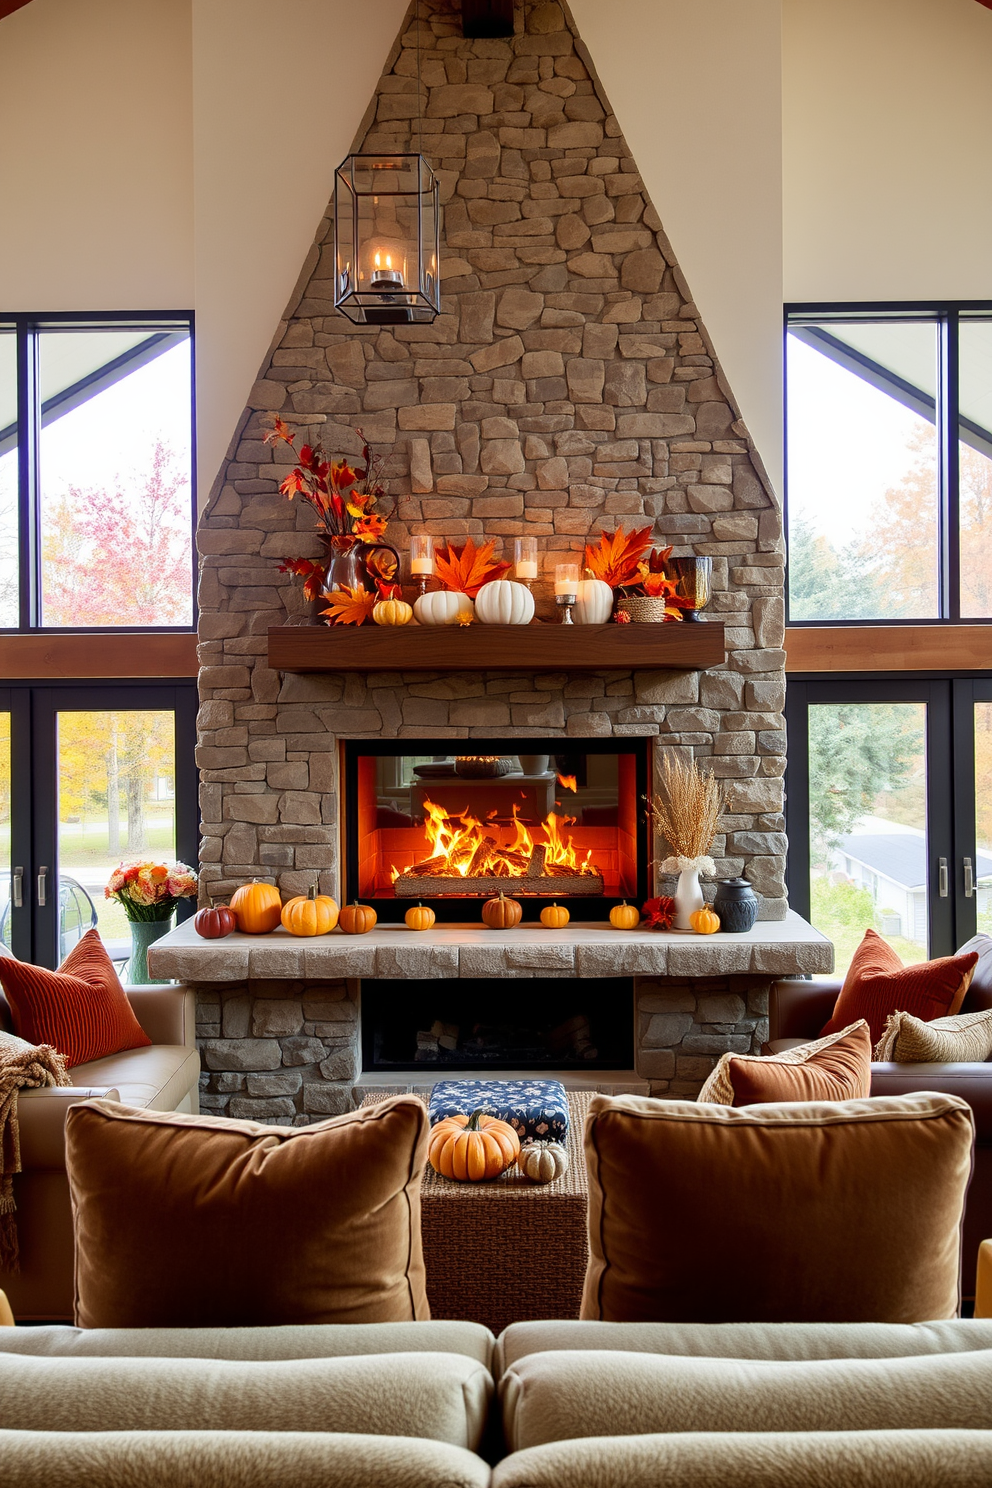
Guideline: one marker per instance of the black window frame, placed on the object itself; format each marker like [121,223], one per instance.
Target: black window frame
[27,327]
[946,315]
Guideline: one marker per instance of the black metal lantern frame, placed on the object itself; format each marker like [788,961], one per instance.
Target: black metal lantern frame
[387,240]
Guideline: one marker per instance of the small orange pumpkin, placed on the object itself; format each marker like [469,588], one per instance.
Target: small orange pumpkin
[705,921]
[419,917]
[472,1148]
[257,907]
[357,919]
[313,914]
[624,916]
[502,913]
[555,917]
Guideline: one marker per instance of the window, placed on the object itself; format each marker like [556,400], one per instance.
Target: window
[96,473]
[889,463]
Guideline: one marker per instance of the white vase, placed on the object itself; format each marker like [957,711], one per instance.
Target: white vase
[688,898]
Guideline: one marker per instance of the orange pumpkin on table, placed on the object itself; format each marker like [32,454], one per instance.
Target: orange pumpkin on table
[310,914]
[705,921]
[624,916]
[472,1148]
[554,917]
[257,907]
[357,919]
[419,917]
[502,913]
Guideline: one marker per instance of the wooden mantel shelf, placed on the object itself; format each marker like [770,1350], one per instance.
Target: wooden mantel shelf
[473,648]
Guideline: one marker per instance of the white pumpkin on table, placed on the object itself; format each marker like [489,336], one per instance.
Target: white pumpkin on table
[442,607]
[504,602]
[593,602]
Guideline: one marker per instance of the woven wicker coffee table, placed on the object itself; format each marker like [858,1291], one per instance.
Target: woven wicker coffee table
[509,1250]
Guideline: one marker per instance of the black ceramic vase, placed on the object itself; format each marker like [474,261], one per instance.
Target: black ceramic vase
[737,905]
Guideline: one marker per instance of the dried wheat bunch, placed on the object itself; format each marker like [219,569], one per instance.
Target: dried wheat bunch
[686,811]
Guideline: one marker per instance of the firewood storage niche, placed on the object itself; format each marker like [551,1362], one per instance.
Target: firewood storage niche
[547,821]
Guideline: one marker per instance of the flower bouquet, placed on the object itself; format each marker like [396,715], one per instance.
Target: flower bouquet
[148,894]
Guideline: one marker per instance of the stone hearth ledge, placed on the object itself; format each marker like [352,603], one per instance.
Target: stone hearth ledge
[788,947]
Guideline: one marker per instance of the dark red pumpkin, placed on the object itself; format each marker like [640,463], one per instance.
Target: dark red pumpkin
[215,923]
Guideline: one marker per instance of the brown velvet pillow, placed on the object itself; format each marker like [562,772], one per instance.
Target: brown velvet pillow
[829,1069]
[878,984]
[821,1212]
[196,1221]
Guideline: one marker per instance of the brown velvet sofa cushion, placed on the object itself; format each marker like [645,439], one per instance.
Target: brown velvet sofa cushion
[195,1221]
[847,1211]
[835,1068]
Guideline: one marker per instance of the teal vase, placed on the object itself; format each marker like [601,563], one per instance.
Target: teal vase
[143,934]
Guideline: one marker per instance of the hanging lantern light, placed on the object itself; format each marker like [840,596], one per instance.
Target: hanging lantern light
[386,240]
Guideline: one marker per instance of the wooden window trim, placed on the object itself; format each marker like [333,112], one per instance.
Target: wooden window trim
[888,648]
[105,654]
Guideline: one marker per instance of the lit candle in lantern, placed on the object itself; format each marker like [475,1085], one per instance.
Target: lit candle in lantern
[385,278]
[422,559]
[525,558]
[566,578]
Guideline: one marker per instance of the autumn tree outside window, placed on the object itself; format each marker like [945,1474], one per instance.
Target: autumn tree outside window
[889,463]
[97,501]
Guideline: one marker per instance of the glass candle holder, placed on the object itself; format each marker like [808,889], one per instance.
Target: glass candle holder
[566,589]
[422,559]
[525,559]
[693,583]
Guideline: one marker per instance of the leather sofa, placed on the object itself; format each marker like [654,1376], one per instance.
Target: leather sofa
[798,1010]
[161,1077]
[547,1405]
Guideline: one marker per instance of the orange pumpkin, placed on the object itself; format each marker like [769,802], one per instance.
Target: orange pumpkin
[257,907]
[419,917]
[502,913]
[357,919]
[705,921]
[471,1148]
[555,917]
[624,916]
[313,914]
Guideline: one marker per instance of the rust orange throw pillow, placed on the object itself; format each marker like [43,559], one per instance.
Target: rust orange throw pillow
[81,1009]
[830,1069]
[878,984]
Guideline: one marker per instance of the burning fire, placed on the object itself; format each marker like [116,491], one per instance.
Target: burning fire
[462,846]
[568,782]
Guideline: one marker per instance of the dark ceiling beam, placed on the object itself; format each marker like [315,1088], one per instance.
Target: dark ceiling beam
[7,7]
[489,17]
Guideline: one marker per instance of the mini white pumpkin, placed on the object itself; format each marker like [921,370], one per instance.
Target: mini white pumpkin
[442,607]
[504,602]
[594,602]
[543,1162]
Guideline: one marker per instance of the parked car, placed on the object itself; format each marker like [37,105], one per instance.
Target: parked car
[77,914]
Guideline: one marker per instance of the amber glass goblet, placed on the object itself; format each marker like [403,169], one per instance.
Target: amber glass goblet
[693,582]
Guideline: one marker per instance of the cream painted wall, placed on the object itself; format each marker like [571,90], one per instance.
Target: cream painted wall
[278,93]
[697,90]
[887,143]
[95,167]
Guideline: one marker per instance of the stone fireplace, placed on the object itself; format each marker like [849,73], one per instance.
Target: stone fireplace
[568,387]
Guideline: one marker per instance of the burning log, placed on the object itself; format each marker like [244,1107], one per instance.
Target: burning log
[536,866]
[480,857]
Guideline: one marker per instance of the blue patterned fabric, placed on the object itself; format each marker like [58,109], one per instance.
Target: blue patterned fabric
[535,1109]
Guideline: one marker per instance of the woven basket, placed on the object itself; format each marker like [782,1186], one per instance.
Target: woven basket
[471,768]
[643,609]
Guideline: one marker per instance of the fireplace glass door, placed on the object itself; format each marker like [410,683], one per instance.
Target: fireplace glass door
[446,829]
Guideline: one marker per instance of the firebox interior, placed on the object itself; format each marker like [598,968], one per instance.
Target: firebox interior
[558,824]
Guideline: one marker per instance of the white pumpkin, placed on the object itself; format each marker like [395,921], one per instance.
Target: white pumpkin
[442,607]
[593,602]
[504,602]
[542,1162]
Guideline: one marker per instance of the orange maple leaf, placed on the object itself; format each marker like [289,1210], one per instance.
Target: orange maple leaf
[616,558]
[655,584]
[464,570]
[349,606]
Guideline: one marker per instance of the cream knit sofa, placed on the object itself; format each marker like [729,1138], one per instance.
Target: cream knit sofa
[420,1405]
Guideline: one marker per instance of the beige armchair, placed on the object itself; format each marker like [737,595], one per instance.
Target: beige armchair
[161,1077]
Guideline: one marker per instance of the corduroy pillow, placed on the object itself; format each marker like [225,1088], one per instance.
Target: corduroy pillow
[818,1212]
[834,1068]
[878,984]
[200,1222]
[81,1009]
[965,1039]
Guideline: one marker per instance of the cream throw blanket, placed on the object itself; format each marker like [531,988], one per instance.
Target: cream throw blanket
[22,1066]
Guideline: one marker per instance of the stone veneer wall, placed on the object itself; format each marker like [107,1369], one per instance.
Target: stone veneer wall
[567,386]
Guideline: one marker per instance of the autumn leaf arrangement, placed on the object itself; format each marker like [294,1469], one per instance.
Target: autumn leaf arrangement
[464,570]
[343,499]
[630,565]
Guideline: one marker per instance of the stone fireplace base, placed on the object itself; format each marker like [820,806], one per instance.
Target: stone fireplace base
[279,1020]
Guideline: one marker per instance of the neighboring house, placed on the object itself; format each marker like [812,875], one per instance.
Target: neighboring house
[892,866]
